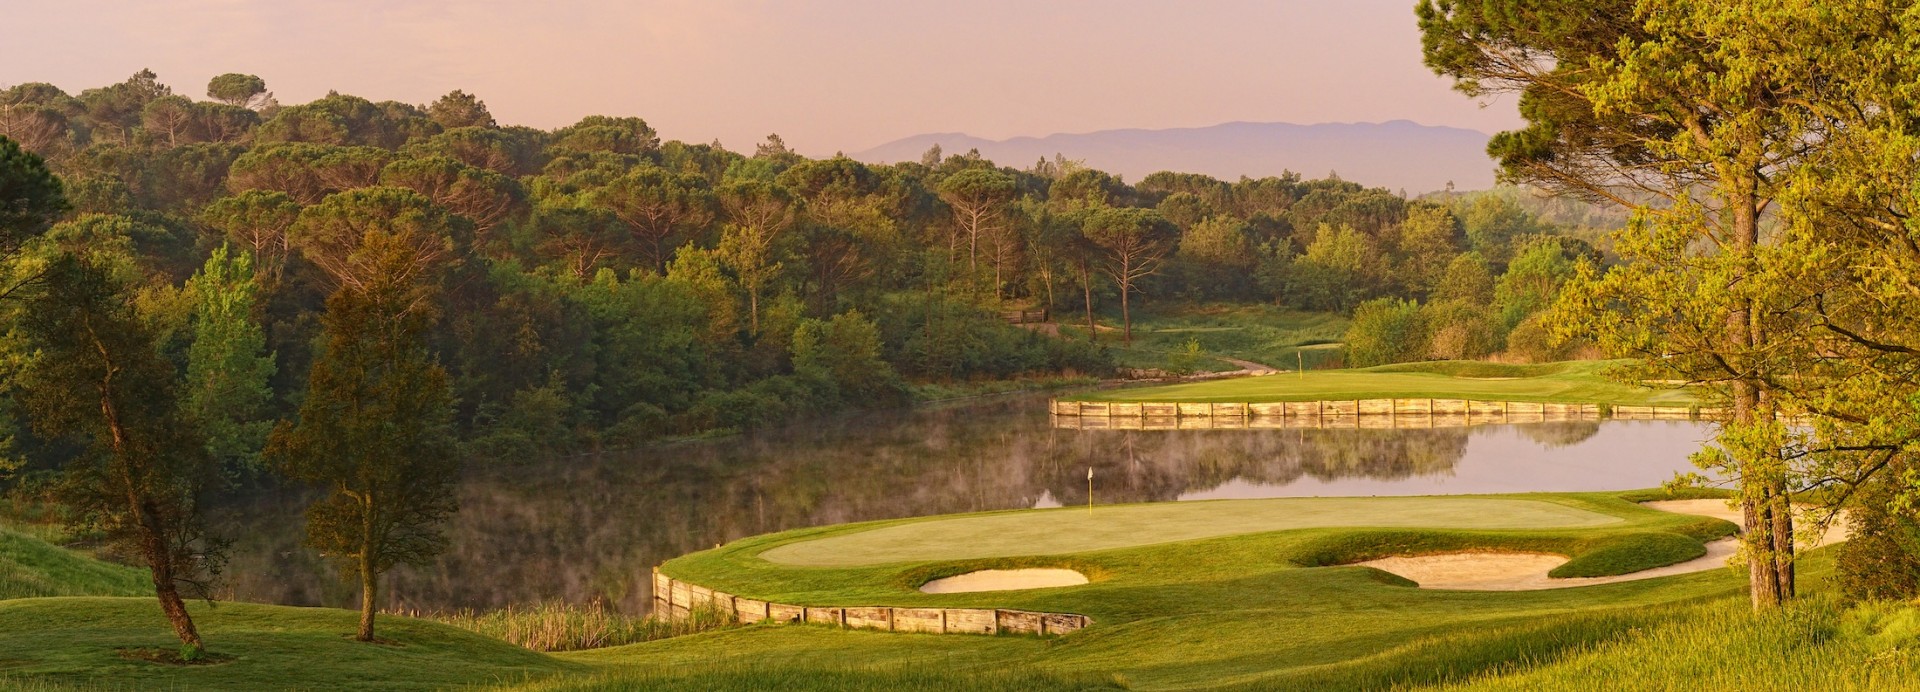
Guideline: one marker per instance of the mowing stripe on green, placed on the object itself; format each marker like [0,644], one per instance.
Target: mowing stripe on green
[1072,530]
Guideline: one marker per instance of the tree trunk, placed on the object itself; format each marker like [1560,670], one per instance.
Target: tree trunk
[1086,283]
[153,536]
[753,311]
[1126,316]
[1764,508]
[160,564]
[369,593]
[369,580]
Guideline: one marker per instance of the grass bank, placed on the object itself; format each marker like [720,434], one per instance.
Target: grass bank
[1194,338]
[1239,611]
[1581,382]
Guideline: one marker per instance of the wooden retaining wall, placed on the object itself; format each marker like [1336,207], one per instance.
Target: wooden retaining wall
[1361,413]
[675,599]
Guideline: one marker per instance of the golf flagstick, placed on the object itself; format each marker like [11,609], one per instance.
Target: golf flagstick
[1089,491]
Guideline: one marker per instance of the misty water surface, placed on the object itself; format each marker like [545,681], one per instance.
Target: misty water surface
[586,528]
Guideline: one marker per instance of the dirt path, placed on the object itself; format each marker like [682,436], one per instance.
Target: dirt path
[1249,367]
[1528,571]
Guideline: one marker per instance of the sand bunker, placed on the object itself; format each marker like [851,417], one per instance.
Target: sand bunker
[1528,571]
[1005,580]
[1719,509]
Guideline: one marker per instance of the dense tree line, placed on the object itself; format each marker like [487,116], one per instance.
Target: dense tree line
[357,295]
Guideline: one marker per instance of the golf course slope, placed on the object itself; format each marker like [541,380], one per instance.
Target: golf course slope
[1076,530]
[1273,609]
[1569,382]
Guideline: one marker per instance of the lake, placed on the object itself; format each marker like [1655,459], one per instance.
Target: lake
[588,528]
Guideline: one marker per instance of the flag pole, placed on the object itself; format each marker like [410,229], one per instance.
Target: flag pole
[1089,491]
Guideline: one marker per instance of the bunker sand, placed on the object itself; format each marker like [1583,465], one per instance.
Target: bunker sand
[1481,571]
[1005,580]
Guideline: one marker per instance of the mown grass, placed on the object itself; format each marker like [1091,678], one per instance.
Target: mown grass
[1584,523]
[1265,334]
[1230,612]
[1584,382]
[1070,530]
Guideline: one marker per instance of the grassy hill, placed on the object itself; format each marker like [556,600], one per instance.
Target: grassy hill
[1232,610]
[1585,382]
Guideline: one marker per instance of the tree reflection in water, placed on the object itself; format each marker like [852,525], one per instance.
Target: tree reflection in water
[586,528]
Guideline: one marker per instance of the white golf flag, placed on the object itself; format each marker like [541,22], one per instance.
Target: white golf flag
[1089,473]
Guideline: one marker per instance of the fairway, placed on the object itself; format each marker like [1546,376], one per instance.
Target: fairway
[1073,530]
[1582,382]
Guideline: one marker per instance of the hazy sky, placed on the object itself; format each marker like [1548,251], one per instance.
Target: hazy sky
[826,74]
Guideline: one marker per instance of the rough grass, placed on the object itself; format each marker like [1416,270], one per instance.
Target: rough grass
[1814,645]
[827,677]
[31,567]
[1265,334]
[1584,382]
[74,642]
[564,627]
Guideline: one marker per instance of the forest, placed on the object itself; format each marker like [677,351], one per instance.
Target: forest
[600,286]
[211,296]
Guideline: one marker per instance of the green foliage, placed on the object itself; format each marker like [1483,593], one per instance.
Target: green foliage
[30,197]
[1466,279]
[1532,280]
[96,380]
[1533,340]
[1337,272]
[845,351]
[460,109]
[1385,331]
[375,427]
[228,364]
[1458,330]
[236,89]
[1881,558]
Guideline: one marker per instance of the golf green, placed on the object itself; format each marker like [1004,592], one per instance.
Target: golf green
[1074,530]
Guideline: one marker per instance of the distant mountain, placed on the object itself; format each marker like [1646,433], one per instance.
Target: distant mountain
[1397,155]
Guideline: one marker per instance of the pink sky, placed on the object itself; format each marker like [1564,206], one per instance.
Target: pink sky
[828,75]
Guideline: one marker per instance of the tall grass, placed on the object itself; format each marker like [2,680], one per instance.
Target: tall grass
[1813,645]
[826,677]
[566,627]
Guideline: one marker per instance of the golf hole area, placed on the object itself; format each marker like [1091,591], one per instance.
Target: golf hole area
[1005,580]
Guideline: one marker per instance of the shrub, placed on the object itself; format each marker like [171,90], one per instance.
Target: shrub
[1533,341]
[1881,558]
[1459,331]
[1386,330]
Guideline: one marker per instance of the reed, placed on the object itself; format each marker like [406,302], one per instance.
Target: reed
[570,627]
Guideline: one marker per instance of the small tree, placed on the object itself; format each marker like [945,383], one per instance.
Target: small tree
[96,379]
[235,89]
[228,365]
[1386,330]
[1135,241]
[375,428]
